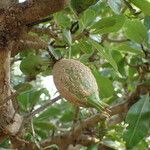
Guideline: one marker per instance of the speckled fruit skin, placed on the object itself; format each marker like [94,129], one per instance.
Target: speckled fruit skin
[74,81]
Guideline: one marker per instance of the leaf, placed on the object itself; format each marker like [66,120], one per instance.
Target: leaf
[32,65]
[50,113]
[136,31]
[85,47]
[35,96]
[29,98]
[138,120]
[85,58]
[104,54]
[147,22]
[23,87]
[67,116]
[88,17]
[119,61]
[44,125]
[115,5]
[62,19]
[68,37]
[105,85]
[108,25]
[144,5]
[43,134]
[93,147]
[124,48]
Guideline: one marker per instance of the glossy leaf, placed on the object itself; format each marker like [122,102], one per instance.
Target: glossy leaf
[88,18]
[136,31]
[128,48]
[104,54]
[68,37]
[63,20]
[32,65]
[108,24]
[138,120]
[105,85]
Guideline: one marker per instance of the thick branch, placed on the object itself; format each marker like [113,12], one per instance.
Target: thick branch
[14,21]
[9,120]
[29,42]
[40,9]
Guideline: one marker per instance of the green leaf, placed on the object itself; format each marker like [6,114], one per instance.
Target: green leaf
[126,48]
[105,85]
[43,134]
[88,17]
[67,116]
[67,36]
[115,5]
[62,19]
[32,65]
[44,125]
[85,58]
[119,61]
[85,47]
[23,87]
[108,25]
[50,113]
[138,120]
[105,54]
[35,96]
[93,147]
[29,98]
[147,22]
[144,5]
[136,31]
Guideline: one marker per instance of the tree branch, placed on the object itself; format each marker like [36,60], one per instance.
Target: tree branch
[29,42]
[15,19]
[92,121]
[42,108]
[40,9]
[77,136]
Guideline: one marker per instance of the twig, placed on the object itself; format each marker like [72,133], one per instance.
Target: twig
[47,31]
[39,21]
[34,135]
[42,108]
[5,100]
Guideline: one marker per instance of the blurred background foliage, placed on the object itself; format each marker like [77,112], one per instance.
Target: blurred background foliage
[112,37]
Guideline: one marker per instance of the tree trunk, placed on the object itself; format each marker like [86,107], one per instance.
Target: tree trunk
[9,120]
